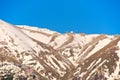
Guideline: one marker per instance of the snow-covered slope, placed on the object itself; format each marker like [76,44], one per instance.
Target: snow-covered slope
[54,56]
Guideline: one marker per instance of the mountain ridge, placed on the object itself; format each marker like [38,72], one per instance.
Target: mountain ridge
[54,56]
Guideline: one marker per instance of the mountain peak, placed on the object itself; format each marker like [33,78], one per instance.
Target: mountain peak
[53,56]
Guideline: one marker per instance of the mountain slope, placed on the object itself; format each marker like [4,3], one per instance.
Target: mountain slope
[54,56]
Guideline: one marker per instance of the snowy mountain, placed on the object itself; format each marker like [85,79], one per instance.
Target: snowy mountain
[54,56]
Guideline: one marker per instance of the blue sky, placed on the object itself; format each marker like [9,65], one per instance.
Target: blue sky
[87,16]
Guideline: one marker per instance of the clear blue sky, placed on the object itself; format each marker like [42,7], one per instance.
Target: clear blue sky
[87,16]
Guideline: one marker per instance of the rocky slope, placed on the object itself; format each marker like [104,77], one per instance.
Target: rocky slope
[54,56]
